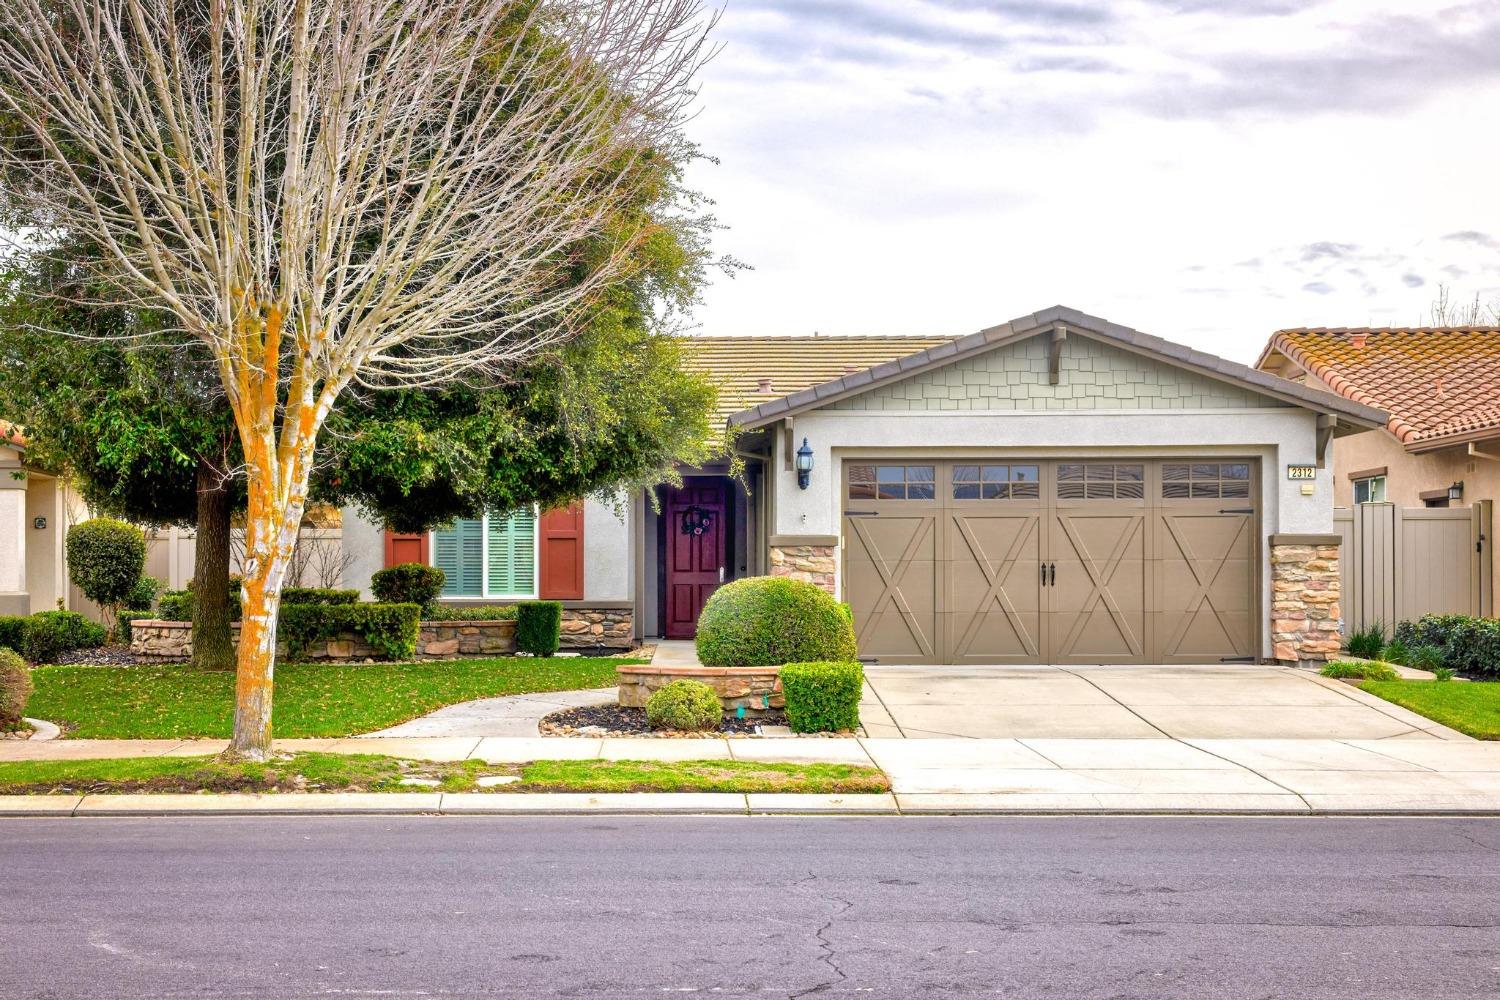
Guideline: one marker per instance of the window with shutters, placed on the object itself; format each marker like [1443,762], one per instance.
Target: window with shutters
[494,556]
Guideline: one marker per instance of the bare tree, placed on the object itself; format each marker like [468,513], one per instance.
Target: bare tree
[1446,312]
[339,192]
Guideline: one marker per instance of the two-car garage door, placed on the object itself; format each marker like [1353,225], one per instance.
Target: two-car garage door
[1067,561]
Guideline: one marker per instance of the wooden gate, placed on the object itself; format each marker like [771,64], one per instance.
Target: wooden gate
[1399,563]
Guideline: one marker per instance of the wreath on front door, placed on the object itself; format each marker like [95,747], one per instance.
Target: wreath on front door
[696,520]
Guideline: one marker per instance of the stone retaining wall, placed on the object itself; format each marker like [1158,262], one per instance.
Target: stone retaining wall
[158,641]
[755,689]
[1305,598]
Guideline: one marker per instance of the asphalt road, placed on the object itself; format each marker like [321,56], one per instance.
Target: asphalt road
[653,907]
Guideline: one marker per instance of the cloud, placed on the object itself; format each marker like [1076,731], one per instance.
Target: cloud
[1325,249]
[1319,288]
[1413,280]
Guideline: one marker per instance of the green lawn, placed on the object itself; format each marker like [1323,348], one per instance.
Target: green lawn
[176,701]
[1472,708]
[324,772]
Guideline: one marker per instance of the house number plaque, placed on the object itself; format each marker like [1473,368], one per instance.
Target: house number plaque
[1301,472]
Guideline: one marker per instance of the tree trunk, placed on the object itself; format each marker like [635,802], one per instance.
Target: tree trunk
[213,642]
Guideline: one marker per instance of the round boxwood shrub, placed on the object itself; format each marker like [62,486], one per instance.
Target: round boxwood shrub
[48,633]
[105,560]
[771,620]
[409,583]
[15,688]
[690,706]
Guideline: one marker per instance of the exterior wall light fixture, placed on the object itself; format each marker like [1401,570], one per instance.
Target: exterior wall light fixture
[804,465]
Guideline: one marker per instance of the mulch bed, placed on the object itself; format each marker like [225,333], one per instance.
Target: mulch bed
[103,656]
[612,720]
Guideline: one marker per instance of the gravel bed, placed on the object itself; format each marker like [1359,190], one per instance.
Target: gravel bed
[612,720]
[103,656]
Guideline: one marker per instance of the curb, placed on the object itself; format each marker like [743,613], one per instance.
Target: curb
[633,804]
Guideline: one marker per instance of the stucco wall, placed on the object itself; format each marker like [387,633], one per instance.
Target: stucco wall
[364,546]
[606,553]
[13,539]
[1093,375]
[45,575]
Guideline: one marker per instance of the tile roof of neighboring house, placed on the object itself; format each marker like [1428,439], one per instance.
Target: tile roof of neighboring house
[774,406]
[751,370]
[11,435]
[1439,384]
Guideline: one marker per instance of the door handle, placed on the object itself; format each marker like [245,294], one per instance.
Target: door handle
[1052,569]
[721,574]
[1044,574]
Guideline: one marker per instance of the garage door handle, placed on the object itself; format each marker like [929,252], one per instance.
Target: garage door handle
[1238,510]
[1052,570]
[861,513]
[1044,574]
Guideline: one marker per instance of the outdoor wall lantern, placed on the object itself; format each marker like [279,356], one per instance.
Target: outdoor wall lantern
[804,465]
[1456,491]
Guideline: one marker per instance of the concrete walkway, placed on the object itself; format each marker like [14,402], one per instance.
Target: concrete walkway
[1031,775]
[514,715]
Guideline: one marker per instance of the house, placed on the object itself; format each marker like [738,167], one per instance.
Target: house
[1056,489]
[36,509]
[1440,446]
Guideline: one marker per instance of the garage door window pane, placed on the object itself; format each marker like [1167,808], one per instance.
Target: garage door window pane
[965,473]
[861,482]
[1205,480]
[1102,482]
[891,482]
[996,482]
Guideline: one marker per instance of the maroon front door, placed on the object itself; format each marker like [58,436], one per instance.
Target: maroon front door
[695,554]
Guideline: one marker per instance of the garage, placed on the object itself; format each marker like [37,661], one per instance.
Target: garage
[1016,560]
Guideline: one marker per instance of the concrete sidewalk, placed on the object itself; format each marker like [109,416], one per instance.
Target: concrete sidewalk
[1041,775]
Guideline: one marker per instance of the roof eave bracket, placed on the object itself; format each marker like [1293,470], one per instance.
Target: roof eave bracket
[1054,354]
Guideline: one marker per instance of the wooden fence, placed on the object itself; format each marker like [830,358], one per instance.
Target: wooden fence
[1403,562]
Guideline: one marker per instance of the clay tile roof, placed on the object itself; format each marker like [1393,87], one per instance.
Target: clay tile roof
[1436,382]
[11,435]
[752,370]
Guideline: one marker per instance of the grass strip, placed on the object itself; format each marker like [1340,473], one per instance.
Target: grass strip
[176,701]
[326,772]
[1472,708]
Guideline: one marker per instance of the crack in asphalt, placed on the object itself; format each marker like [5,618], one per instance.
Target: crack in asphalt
[828,956]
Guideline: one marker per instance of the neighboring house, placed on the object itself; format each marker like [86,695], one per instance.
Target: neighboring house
[35,511]
[1441,387]
[1056,489]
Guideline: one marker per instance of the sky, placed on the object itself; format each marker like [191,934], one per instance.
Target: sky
[1208,171]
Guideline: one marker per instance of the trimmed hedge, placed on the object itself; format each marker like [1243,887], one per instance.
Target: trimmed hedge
[686,705]
[12,631]
[48,633]
[143,594]
[318,595]
[1360,670]
[390,628]
[1470,645]
[15,688]
[409,583]
[822,697]
[177,605]
[538,627]
[766,621]
[487,613]
[106,558]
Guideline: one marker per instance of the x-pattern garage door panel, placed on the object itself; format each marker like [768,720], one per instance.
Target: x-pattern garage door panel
[987,560]
[994,595]
[891,573]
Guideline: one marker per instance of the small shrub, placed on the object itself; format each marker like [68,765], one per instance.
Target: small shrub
[770,620]
[690,706]
[409,583]
[127,617]
[538,627]
[15,688]
[822,697]
[1427,657]
[1396,651]
[176,606]
[485,613]
[1367,642]
[143,594]
[318,595]
[105,560]
[1344,669]
[1470,645]
[1442,674]
[48,633]
[12,631]
[390,628]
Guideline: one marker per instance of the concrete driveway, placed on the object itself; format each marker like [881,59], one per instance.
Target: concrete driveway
[1178,702]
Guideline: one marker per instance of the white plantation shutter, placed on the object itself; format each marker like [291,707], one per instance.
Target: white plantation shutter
[459,552]
[512,554]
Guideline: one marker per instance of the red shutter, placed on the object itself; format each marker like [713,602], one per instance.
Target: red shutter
[561,534]
[405,549]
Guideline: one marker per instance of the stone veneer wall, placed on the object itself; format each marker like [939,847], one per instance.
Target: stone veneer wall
[812,563]
[1305,614]
[755,689]
[582,628]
